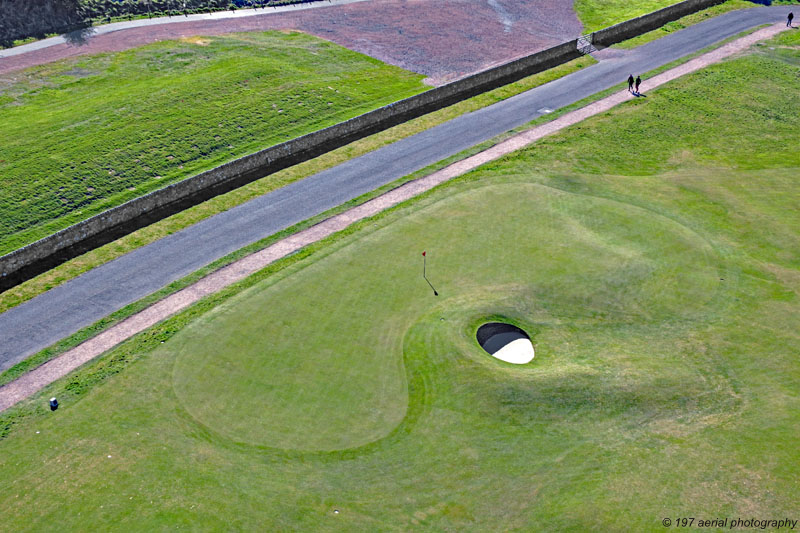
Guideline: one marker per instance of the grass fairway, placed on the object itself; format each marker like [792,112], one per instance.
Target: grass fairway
[653,254]
[82,135]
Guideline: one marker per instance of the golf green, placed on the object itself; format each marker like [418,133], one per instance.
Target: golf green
[275,367]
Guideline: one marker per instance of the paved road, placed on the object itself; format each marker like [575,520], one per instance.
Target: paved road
[38,323]
[138,23]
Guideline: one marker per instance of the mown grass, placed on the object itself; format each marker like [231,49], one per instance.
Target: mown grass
[81,136]
[654,263]
[75,267]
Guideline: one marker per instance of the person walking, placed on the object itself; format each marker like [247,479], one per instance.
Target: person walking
[630,83]
[638,82]
[789,19]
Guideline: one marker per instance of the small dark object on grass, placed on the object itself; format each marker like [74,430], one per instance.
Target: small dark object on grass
[53,404]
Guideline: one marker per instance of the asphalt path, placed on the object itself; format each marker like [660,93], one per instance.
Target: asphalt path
[63,310]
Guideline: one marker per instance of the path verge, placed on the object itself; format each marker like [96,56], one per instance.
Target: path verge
[62,365]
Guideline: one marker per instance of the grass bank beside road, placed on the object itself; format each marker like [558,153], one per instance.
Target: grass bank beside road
[686,21]
[81,136]
[656,272]
[598,14]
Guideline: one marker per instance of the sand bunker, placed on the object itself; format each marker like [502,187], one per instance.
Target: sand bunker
[506,342]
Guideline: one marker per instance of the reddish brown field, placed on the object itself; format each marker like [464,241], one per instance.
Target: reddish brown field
[443,39]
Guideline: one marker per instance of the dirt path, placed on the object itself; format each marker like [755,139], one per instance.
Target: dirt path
[62,365]
[443,39]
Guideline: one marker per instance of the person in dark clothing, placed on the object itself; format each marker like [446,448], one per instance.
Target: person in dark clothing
[630,83]
[638,82]
[789,19]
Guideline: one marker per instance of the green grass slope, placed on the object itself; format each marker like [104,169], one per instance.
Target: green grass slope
[599,14]
[653,253]
[80,136]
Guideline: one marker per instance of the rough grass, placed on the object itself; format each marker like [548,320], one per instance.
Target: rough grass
[655,267]
[81,136]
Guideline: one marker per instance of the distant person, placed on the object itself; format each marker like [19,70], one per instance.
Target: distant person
[789,19]
[638,82]
[630,83]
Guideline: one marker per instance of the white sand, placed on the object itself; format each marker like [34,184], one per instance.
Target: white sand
[517,352]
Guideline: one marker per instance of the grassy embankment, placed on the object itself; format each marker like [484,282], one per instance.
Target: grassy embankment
[599,14]
[128,62]
[596,15]
[80,137]
[654,263]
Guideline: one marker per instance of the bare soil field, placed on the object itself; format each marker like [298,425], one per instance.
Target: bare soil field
[442,39]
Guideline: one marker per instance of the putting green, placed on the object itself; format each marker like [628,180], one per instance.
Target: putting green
[275,367]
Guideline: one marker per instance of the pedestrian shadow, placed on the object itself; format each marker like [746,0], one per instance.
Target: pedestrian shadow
[639,95]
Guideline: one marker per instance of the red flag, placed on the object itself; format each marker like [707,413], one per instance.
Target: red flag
[423,254]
